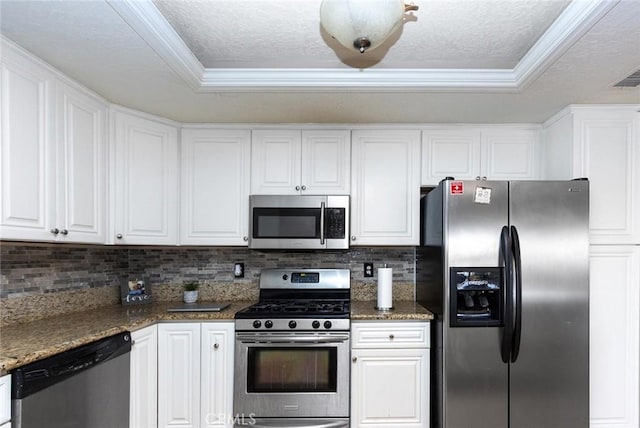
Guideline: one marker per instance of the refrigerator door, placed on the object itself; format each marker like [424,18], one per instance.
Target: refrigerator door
[549,380]
[475,380]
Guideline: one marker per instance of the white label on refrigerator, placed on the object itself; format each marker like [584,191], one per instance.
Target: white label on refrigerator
[482,196]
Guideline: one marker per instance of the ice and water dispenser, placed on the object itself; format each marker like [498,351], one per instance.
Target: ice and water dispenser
[476,297]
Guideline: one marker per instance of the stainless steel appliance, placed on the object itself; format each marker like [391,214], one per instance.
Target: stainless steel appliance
[504,265]
[292,351]
[85,387]
[298,222]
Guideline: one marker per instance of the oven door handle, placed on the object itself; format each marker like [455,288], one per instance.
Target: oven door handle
[276,423]
[288,338]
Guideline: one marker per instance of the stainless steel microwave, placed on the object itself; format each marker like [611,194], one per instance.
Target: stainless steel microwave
[298,222]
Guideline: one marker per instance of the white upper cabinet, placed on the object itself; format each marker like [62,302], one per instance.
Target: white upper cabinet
[292,162]
[500,153]
[385,202]
[145,177]
[53,156]
[602,144]
[326,162]
[215,178]
[450,153]
[82,176]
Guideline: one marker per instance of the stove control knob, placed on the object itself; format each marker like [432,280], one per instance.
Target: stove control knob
[327,324]
[268,323]
[285,277]
[257,324]
[315,324]
[292,324]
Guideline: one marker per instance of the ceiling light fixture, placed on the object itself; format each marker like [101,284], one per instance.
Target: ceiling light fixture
[362,24]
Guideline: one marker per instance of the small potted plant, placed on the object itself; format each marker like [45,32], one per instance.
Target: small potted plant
[190,294]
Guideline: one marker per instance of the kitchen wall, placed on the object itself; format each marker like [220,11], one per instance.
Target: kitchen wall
[40,280]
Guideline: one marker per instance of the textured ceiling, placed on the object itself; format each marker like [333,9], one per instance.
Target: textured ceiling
[287,34]
[138,64]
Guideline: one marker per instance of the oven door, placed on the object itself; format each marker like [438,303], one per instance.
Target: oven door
[292,375]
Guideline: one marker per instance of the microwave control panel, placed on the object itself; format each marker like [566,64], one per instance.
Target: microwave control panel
[334,223]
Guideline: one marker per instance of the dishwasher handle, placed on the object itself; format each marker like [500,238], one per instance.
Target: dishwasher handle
[34,377]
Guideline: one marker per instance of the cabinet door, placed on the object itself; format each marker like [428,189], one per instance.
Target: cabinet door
[390,388]
[275,162]
[326,161]
[608,147]
[385,187]
[614,336]
[81,178]
[510,154]
[216,395]
[143,410]
[450,153]
[179,375]
[27,150]
[215,187]
[146,181]
[5,398]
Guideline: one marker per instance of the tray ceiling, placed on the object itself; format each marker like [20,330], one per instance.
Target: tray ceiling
[270,61]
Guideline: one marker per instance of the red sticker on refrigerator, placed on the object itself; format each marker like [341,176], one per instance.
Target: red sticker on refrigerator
[457,188]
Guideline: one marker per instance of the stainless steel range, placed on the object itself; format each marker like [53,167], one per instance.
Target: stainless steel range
[292,351]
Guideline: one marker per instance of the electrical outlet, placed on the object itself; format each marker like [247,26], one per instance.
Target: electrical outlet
[368,270]
[238,270]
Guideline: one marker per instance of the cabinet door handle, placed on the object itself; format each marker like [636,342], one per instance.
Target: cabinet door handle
[354,359]
[245,239]
[64,232]
[353,237]
[391,337]
[216,345]
[477,177]
[297,187]
[304,187]
[55,231]
[484,178]
[119,236]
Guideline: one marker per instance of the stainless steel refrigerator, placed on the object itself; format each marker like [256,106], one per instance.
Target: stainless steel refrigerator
[504,266]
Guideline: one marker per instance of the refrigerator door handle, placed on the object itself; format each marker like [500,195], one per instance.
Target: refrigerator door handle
[517,328]
[507,293]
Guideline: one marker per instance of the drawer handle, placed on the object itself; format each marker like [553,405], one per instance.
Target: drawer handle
[391,337]
[216,346]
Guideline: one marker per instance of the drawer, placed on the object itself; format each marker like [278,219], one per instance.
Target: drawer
[400,334]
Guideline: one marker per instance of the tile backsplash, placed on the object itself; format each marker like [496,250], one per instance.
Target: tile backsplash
[64,278]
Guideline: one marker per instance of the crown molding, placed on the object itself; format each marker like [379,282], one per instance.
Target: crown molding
[145,18]
[147,21]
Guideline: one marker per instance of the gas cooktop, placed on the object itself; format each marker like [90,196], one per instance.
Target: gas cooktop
[299,299]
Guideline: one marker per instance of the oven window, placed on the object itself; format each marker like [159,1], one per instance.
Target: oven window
[282,223]
[292,369]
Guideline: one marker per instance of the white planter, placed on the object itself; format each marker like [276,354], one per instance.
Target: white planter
[190,296]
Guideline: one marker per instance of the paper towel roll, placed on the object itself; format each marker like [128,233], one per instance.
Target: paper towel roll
[385,284]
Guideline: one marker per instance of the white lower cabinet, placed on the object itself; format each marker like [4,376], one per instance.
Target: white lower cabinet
[195,374]
[614,336]
[5,401]
[390,374]
[143,409]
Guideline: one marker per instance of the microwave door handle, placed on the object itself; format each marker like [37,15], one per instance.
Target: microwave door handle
[322,207]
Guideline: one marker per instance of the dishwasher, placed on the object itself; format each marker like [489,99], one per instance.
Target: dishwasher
[85,387]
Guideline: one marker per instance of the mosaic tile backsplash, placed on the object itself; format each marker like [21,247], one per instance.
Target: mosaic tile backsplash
[43,280]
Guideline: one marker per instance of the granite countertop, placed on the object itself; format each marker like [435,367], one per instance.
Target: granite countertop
[402,310]
[22,344]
